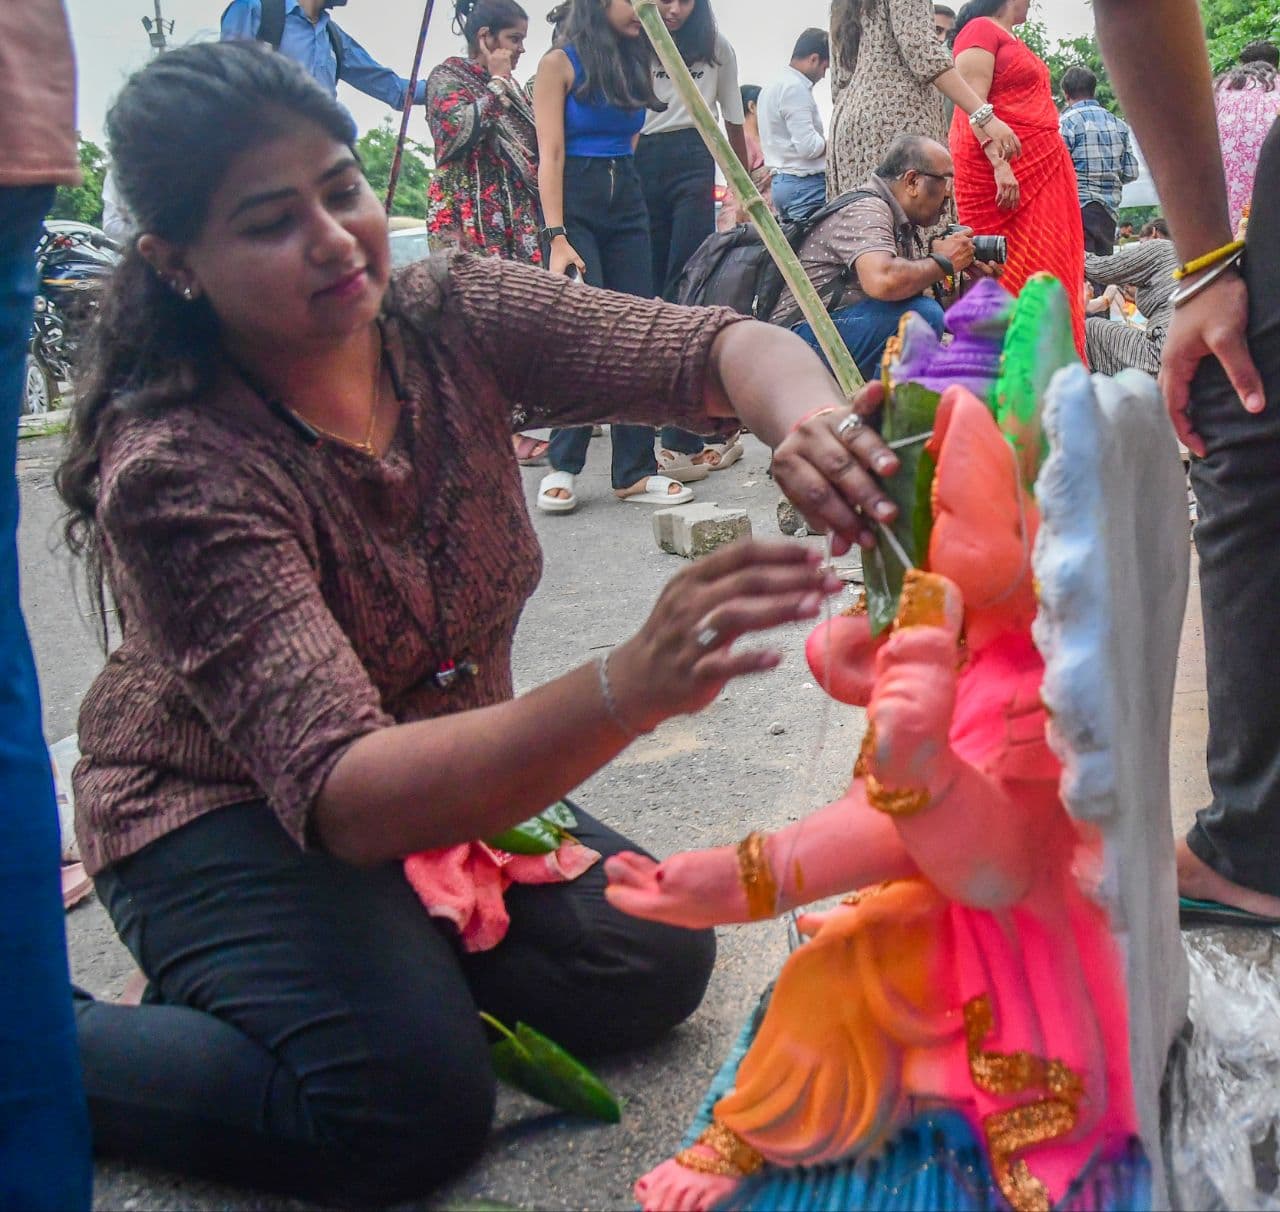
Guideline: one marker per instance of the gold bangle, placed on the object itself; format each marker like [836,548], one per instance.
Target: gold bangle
[757,877]
[1209,259]
[905,802]
[734,1158]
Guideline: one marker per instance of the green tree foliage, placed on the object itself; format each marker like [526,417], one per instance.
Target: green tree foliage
[83,202]
[376,148]
[1230,24]
[1071,52]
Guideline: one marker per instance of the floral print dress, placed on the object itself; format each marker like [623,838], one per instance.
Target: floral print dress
[483,194]
[1245,116]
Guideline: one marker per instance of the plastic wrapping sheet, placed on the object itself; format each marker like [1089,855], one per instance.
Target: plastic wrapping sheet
[1224,1096]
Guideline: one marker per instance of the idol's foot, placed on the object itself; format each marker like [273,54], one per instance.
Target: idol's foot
[673,1187]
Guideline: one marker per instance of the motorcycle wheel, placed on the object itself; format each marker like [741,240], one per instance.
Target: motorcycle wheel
[38,397]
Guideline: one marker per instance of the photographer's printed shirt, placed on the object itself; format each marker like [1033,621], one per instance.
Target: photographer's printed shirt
[866,225]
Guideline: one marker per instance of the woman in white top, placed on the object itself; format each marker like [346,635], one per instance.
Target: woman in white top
[679,178]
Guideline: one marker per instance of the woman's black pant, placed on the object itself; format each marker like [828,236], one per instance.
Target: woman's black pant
[608,225]
[309,1028]
[1237,491]
[679,178]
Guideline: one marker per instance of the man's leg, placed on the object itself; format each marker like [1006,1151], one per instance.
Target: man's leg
[44,1128]
[867,326]
[1238,496]
[1099,229]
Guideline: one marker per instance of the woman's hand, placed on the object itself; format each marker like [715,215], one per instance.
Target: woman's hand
[1214,323]
[1008,191]
[498,61]
[563,254]
[1004,142]
[682,657]
[827,477]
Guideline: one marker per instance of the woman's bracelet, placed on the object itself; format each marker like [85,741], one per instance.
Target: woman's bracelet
[757,877]
[1184,294]
[610,703]
[815,412]
[982,115]
[1234,249]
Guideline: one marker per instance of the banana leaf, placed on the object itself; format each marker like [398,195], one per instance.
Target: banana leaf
[908,413]
[541,834]
[527,1060]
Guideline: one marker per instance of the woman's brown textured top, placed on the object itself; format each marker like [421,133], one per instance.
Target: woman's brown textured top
[281,600]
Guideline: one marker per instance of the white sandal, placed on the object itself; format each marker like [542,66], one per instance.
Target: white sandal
[679,466]
[657,491]
[564,481]
[727,454]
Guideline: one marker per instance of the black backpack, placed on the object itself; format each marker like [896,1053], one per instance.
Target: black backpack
[734,269]
[271,30]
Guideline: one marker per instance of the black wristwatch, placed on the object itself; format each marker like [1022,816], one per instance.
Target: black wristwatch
[550,233]
[948,269]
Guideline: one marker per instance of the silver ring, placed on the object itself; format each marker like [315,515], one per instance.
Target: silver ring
[708,637]
[851,424]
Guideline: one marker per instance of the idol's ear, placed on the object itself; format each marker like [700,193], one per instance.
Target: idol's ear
[1038,344]
[983,520]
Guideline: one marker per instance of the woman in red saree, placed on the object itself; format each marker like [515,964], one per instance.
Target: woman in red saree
[1035,205]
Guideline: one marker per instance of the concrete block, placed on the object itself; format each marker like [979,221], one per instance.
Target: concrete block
[695,530]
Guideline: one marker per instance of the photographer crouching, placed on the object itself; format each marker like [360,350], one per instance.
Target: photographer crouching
[866,258]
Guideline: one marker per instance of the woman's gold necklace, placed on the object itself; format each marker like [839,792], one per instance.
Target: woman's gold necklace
[365,447]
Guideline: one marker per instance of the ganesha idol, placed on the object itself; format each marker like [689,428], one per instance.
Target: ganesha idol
[983,1020]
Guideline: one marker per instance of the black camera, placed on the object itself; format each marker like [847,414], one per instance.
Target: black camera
[988,249]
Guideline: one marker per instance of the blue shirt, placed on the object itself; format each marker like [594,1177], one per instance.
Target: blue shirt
[1101,150]
[595,128]
[309,45]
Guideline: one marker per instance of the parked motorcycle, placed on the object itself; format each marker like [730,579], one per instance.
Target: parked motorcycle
[73,262]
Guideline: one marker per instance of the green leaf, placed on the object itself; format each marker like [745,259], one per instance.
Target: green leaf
[560,814]
[541,834]
[909,413]
[529,1061]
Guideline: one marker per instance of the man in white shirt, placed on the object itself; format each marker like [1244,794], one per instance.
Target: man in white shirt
[791,134]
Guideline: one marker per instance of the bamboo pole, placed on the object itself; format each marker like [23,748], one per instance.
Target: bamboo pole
[824,329]
[394,179]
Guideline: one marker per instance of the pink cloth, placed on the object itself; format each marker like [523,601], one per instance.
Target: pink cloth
[465,884]
[1245,116]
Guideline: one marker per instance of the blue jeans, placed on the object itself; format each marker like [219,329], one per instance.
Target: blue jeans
[798,197]
[44,1127]
[608,225]
[867,326]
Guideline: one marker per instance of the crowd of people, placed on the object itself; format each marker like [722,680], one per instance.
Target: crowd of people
[292,473]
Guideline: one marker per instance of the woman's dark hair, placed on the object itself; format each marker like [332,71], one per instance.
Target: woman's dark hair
[471,16]
[173,133]
[616,70]
[750,96]
[558,18]
[1261,52]
[696,38]
[1157,227]
[1258,74]
[973,10]
[846,31]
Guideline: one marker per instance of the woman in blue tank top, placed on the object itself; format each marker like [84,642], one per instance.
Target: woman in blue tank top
[590,101]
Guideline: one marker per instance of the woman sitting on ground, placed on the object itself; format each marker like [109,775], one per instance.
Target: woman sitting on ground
[296,477]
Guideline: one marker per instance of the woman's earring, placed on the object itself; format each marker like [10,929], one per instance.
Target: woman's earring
[188,294]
